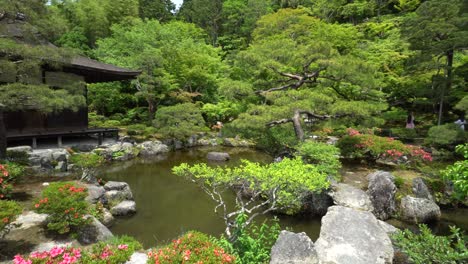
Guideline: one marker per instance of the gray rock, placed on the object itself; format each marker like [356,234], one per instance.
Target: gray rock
[138,258]
[419,210]
[151,148]
[107,218]
[30,219]
[95,193]
[114,197]
[218,156]
[420,189]
[316,203]
[207,142]
[60,155]
[61,166]
[94,232]
[46,246]
[349,236]
[113,185]
[388,228]
[236,142]
[349,196]
[178,144]
[124,208]
[292,248]
[332,140]
[381,191]
[26,149]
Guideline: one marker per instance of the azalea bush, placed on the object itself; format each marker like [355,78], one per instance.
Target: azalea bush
[66,206]
[115,250]
[191,248]
[360,145]
[9,174]
[457,173]
[8,212]
[324,156]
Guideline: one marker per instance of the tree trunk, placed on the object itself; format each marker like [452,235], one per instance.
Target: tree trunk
[448,84]
[3,142]
[296,120]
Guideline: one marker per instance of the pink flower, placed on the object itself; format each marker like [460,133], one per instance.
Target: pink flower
[19,260]
[122,247]
[55,251]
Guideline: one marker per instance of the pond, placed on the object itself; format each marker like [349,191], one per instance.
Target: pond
[169,205]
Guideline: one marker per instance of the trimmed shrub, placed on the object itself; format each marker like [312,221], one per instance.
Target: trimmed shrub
[8,212]
[193,247]
[458,173]
[115,250]
[66,206]
[445,135]
[324,156]
[9,174]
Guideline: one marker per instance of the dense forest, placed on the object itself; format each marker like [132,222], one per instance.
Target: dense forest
[259,66]
[379,84]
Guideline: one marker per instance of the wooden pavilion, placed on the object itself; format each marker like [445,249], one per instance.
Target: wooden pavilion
[31,124]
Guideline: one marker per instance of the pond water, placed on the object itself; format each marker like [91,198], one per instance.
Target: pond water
[169,205]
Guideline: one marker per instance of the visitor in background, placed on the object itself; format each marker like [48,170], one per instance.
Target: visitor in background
[410,121]
[461,122]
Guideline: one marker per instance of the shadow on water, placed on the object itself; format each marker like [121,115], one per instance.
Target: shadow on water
[168,205]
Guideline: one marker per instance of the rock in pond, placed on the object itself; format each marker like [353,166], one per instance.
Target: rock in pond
[316,203]
[292,248]
[349,196]
[94,232]
[151,148]
[218,156]
[419,210]
[124,208]
[381,191]
[95,193]
[107,218]
[349,236]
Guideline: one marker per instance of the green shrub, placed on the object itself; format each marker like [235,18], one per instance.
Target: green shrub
[252,244]
[445,135]
[291,178]
[112,123]
[8,212]
[324,156]
[9,174]
[458,174]
[427,248]
[116,250]
[193,247]
[86,160]
[222,111]
[19,157]
[66,206]
[404,133]
[179,121]
[399,181]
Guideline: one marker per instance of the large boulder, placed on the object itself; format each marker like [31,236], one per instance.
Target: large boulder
[94,232]
[349,196]
[49,158]
[316,203]
[30,219]
[21,149]
[419,210]
[218,156]
[124,208]
[151,148]
[292,248]
[381,191]
[420,189]
[349,236]
[117,192]
[95,193]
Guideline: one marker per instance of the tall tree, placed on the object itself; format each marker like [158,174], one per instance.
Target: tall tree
[438,30]
[162,10]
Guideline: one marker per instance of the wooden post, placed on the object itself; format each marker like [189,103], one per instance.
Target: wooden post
[59,141]
[100,137]
[34,143]
[3,140]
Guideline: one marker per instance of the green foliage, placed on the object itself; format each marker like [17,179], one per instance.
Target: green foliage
[458,173]
[8,212]
[324,156]
[110,98]
[118,249]
[427,248]
[179,121]
[18,157]
[222,111]
[9,174]
[291,178]
[252,243]
[86,160]
[65,204]
[193,247]
[445,135]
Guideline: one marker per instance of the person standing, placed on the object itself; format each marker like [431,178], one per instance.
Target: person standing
[461,122]
[410,121]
